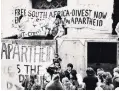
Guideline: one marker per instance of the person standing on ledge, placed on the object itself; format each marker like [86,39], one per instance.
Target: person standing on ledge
[57,29]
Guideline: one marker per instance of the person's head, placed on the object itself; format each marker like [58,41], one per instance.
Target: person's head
[67,84]
[32,77]
[28,78]
[57,64]
[69,66]
[90,71]
[108,74]
[56,55]
[104,75]
[116,72]
[36,78]
[108,81]
[58,19]
[100,69]
[50,70]
[65,81]
[100,75]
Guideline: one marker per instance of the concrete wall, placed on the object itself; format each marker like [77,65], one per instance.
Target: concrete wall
[75,50]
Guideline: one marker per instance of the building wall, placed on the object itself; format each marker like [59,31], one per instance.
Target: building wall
[75,50]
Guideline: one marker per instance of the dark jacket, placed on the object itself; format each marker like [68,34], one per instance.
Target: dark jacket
[73,73]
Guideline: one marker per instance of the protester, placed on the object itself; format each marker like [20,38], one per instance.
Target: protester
[56,28]
[55,83]
[56,68]
[108,74]
[47,78]
[116,77]
[36,85]
[101,80]
[57,58]
[70,73]
[69,80]
[57,79]
[67,85]
[116,84]
[105,81]
[26,83]
[108,84]
[90,80]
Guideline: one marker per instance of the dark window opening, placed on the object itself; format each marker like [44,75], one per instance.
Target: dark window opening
[102,55]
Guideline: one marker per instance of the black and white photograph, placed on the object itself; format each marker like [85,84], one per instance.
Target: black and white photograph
[59,45]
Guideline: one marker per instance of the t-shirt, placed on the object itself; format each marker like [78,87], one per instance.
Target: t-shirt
[90,82]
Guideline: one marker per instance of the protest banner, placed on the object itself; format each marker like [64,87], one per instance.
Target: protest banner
[27,57]
[77,17]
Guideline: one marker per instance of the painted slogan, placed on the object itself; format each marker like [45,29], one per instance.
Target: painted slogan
[21,58]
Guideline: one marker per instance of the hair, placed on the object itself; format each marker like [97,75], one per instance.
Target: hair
[32,77]
[108,81]
[108,74]
[100,75]
[58,16]
[104,75]
[100,69]
[35,76]
[116,70]
[70,65]
[90,71]
[64,79]
[50,70]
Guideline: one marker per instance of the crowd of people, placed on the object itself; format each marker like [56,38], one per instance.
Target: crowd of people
[57,79]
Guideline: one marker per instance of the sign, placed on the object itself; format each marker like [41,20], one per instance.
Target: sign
[26,57]
[9,74]
[77,17]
